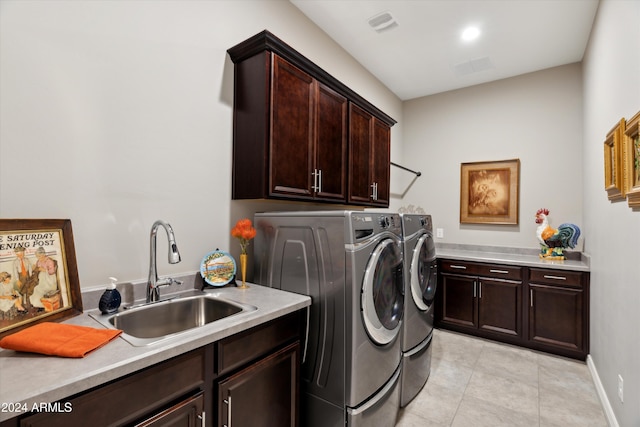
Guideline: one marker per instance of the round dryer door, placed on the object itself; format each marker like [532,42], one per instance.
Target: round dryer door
[382,293]
[424,272]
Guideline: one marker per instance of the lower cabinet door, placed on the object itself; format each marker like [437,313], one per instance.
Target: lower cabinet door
[459,305]
[500,302]
[556,318]
[264,394]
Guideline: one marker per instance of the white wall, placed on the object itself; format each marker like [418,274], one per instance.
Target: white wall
[536,118]
[118,113]
[612,91]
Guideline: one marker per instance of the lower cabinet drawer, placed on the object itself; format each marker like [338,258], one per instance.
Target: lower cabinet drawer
[127,400]
[509,272]
[556,277]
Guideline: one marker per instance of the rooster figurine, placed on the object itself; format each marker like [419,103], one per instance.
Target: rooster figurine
[554,241]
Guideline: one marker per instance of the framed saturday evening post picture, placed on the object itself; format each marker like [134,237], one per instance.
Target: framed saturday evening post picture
[38,273]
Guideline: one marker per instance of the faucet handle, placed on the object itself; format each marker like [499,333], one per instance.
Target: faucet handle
[168,281]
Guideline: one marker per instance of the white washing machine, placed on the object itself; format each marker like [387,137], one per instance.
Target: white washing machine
[350,263]
[420,269]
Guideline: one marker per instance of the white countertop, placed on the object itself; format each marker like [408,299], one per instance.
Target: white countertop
[513,256]
[27,378]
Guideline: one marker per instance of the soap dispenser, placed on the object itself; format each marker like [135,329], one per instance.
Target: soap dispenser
[110,300]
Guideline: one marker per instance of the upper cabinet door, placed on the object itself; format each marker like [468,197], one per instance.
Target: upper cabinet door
[360,154]
[381,160]
[369,158]
[330,180]
[292,130]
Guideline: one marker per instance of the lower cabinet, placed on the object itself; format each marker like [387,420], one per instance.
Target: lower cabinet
[543,309]
[559,312]
[250,378]
[482,299]
[263,394]
[257,386]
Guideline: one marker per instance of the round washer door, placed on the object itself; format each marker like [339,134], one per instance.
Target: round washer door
[382,293]
[424,276]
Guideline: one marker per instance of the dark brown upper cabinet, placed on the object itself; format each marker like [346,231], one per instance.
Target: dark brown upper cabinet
[308,136]
[296,135]
[369,158]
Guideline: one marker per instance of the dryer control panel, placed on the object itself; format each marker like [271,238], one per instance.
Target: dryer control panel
[367,224]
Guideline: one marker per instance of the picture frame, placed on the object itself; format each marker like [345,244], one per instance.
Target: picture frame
[613,163]
[490,192]
[632,161]
[38,273]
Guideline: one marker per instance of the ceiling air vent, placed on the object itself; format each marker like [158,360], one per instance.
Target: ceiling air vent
[473,66]
[382,21]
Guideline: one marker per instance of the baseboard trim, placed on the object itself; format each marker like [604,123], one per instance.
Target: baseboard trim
[604,400]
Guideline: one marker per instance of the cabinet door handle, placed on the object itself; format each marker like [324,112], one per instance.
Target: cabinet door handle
[374,191]
[203,418]
[459,267]
[499,271]
[475,288]
[546,276]
[531,297]
[480,287]
[319,189]
[314,187]
[228,402]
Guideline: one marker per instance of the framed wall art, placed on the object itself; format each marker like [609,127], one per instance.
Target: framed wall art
[632,161]
[489,192]
[38,273]
[613,168]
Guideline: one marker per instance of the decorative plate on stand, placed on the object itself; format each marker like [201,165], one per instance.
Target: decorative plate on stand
[218,268]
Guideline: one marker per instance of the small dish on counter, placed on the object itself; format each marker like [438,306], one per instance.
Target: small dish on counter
[218,268]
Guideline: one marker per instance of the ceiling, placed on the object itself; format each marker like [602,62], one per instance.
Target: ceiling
[421,52]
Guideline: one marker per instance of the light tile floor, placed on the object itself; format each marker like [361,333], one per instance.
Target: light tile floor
[477,383]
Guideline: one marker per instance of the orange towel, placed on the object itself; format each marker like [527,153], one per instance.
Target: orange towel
[58,339]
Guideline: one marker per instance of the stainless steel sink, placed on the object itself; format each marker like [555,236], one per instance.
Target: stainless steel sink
[151,323]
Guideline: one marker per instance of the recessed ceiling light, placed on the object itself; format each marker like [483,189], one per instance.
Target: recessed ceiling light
[470,33]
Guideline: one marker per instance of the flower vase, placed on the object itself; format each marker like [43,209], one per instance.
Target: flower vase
[243,271]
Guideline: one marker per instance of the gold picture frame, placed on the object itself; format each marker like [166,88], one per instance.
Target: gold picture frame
[613,162]
[38,273]
[490,192]
[632,161]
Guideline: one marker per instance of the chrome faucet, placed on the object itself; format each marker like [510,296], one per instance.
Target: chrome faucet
[153,284]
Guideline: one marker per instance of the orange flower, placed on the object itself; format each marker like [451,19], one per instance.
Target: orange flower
[243,231]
